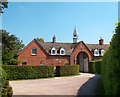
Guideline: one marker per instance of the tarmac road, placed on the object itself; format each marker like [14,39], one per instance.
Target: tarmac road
[84,84]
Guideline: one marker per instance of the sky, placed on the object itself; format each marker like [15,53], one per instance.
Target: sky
[29,20]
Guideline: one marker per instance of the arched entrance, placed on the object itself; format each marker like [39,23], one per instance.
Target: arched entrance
[82,60]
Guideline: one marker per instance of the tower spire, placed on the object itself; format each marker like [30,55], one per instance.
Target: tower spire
[75,35]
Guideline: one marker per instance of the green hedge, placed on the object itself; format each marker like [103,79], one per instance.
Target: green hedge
[5,88]
[3,77]
[111,66]
[67,70]
[95,67]
[28,72]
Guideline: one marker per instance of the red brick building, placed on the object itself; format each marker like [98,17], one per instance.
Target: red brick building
[54,53]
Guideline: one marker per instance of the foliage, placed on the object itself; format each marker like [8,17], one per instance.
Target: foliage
[95,67]
[3,76]
[28,72]
[40,39]
[3,4]
[7,90]
[67,70]
[11,45]
[111,66]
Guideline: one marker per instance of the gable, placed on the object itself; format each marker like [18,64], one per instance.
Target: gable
[26,52]
[81,47]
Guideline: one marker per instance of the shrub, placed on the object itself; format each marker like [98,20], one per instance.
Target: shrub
[7,90]
[67,70]
[28,72]
[95,67]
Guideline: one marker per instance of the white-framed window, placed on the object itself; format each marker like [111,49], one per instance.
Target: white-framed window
[62,51]
[102,52]
[53,51]
[96,52]
[34,51]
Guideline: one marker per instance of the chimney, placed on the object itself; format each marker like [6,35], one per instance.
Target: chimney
[54,39]
[101,41]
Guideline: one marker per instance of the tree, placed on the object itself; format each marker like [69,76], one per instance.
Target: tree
[11,45]
[40,39]
[3,4]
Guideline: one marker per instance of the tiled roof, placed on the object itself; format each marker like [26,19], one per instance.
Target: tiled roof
[70,47]
[97,46]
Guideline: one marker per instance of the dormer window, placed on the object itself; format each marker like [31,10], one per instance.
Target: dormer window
[96,52]
[34,51]
[53,51]
[102,52]
[62,51]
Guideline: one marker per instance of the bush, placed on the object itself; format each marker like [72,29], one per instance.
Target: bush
[67,70]
[7,90]
[28,72]
[95,67]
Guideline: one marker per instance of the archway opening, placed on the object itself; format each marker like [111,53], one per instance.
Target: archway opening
[82,60]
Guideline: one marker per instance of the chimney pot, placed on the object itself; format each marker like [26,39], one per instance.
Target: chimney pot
[101,41]
[54,39]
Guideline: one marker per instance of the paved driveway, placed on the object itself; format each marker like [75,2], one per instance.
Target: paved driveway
[84,84]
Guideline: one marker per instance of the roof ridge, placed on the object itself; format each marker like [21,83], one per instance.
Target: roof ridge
[57,42]
[97,44]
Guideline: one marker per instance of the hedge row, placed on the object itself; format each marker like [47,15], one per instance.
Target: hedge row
[95,67]
[111,66]
[67,70]
[28,72]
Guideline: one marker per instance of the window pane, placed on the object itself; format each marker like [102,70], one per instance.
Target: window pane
[24,63]
[96,52]
[51,64]
[102,52]
[41,64]
[66,64]
[34,51]
[53,51]
[62,52]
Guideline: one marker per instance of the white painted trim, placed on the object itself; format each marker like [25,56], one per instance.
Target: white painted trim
[52,50]
[32,53]
[102,52]
[96,50]
[62,49]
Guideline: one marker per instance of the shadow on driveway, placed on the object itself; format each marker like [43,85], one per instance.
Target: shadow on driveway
[90,87]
